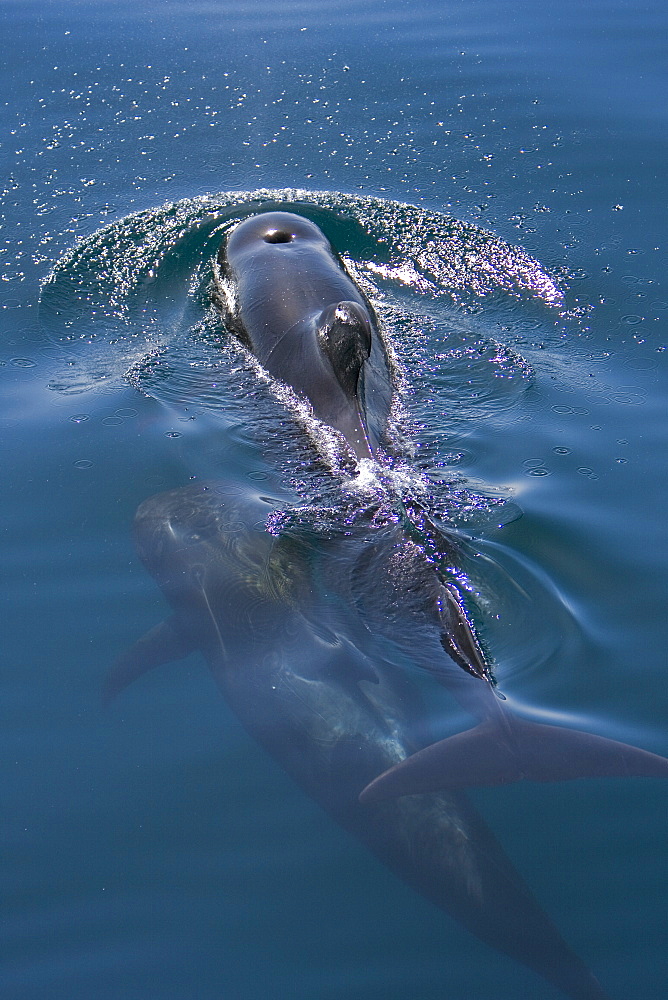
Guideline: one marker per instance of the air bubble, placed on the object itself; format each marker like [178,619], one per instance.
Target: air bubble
[456,458]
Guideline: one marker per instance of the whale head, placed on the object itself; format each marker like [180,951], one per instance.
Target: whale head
[291,302]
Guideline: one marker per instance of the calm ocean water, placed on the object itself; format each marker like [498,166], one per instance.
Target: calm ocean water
[495,174]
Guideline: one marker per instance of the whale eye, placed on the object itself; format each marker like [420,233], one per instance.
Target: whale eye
[278,236]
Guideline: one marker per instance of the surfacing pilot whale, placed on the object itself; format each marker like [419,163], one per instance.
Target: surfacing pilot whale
[312,639]
[287,297]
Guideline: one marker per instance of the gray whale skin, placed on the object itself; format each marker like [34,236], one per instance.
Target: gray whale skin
[309,639]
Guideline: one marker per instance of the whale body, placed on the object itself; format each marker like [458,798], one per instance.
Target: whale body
[324,646]
[288,298]
[305,683]
[311,642]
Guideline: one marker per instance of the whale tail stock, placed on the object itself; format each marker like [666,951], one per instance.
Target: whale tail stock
[510,749]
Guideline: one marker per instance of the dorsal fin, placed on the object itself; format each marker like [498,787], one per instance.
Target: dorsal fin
[457,636]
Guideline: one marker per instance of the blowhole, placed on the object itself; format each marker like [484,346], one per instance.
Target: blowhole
[278,236]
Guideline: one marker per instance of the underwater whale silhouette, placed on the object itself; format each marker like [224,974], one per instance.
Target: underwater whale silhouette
[323,647]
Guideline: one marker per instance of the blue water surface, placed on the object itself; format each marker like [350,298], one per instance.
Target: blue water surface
[494,175]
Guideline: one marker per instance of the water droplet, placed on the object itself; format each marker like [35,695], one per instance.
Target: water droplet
[562,409]
[23,362]
[629,397]
[455,458]
[173,434]
[258,477]
[232,527]
[126,411]
[599,400]
[112,421]
[83,463]
[642,364]
[584,471]
[561,451]
[538,471]
[621,461]
[631,319]
[79,418]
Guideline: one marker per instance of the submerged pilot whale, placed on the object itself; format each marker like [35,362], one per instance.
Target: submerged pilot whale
[325,647]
